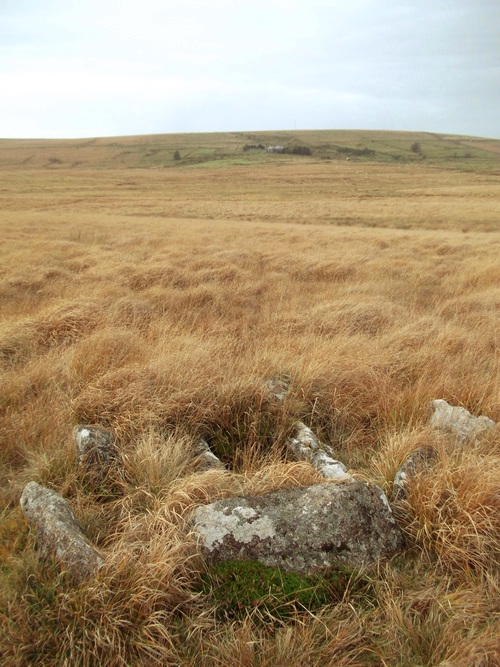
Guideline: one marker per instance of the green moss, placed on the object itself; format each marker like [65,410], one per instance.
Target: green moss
[241,586]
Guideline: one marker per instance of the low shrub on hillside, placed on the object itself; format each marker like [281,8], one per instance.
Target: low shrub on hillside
[297,150]
[254,147]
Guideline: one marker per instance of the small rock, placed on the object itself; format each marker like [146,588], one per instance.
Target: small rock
[459,421]
[206,458]
[418,461]
[305,446]
[278,387]
[303,529]
[57,531]
[95,448]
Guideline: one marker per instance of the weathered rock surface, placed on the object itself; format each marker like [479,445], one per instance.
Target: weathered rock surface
[278,387]
[95,449]
[206,459]
[305,446]
[303,529]
[418,461]
[459,421]
[58,534]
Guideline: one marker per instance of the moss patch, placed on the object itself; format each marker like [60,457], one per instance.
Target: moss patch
[238,587]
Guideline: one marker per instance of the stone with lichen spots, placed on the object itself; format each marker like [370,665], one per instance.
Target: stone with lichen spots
[459,421]
[58,534]
[305,446]
[303,529]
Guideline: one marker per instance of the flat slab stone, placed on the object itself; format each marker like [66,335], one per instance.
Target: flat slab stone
[302,530]
[459,421]
[58,534]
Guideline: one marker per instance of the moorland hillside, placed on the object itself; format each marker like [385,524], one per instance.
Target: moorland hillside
[155,295]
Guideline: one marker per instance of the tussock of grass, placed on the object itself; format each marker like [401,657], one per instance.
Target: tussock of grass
[455,511]
[159,309]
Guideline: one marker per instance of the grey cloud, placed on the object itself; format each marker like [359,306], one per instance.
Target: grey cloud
[261,65]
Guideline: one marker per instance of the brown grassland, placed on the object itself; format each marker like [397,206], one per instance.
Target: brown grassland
[154,296]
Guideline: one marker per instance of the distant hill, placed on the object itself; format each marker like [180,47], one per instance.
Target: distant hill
[213,149]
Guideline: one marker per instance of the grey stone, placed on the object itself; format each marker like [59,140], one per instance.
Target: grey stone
[303,529]
[58,534]
[278,387]
[206,459]
[305,446]
[418,461]
[459,421]
[95,449]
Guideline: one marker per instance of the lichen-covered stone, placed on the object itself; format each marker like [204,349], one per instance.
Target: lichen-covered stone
[418,461]
[303,529]
[95,448]
[305,446]
[459,421]
[58,534]
[206,459]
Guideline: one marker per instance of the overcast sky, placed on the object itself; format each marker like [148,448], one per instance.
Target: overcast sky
[83,68]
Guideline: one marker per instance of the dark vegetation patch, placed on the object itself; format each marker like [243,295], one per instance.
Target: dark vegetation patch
[239,587]
[357,152]
[253,147]
[297,150]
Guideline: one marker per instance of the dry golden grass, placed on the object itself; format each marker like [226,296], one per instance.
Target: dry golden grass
[156,303]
